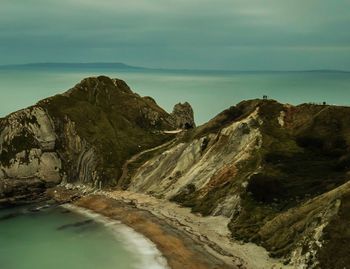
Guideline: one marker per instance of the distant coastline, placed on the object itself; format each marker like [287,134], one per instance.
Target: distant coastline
[123,66]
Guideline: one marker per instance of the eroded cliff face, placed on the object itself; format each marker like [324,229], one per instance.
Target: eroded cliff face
[278,172]
[80,157]
[27,146]
[82,136]
[188,172]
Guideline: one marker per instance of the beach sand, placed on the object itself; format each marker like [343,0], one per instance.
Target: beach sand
[186,240]
[180,250]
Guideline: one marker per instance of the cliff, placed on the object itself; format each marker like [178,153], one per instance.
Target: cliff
[82,136]
[277,173]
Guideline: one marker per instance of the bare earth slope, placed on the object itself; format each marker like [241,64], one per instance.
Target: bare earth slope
[278,172]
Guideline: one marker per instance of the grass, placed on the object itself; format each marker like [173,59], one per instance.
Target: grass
[21,142]
[307,157]
[111,119]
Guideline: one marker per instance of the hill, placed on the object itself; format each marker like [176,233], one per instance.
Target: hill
[82,136]
[277,173]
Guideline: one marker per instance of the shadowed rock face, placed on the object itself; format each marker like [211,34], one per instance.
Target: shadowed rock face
[29,162]
[81,136]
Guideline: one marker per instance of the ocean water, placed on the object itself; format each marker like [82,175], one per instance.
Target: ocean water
[57,238]
[208,92]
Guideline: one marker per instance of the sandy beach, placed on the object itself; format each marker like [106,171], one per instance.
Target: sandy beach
[185,239]
[180,250]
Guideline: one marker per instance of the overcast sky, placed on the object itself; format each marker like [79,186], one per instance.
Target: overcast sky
[206,34]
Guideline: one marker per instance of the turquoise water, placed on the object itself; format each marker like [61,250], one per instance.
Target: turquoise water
[208,92]
[56,238]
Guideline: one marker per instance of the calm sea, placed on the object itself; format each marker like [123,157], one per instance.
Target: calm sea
[57,238]
[208,92]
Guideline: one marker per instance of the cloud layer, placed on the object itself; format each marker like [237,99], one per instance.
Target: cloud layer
[221,34]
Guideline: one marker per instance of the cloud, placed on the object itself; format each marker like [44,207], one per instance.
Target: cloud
[166,33]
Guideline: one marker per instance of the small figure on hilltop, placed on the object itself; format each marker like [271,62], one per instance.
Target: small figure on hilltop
[265,97]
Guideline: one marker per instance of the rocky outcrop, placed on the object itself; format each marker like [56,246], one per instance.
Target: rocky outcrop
[27,146]
[80,157]
[182,116]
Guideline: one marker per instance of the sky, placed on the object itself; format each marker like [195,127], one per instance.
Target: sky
[191,34]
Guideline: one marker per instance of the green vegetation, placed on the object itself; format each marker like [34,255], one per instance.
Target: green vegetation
[303,159]
[282,187]
[116,122]
[307,157]
[21,142]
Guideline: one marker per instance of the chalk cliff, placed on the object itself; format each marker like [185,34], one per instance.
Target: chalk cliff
[278,172]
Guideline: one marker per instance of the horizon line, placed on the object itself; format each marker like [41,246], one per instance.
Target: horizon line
[124,65]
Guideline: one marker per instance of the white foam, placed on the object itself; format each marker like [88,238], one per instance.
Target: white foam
[149,255]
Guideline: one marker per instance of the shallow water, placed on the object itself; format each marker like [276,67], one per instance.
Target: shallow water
[208,92]
[58,238]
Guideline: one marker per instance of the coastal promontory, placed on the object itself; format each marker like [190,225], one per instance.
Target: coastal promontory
[261,184]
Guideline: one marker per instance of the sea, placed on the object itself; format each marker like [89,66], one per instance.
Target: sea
[209,92]
[55,237]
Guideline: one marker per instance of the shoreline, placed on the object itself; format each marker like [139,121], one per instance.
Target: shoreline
[134,242]
[179,250]
[186,240]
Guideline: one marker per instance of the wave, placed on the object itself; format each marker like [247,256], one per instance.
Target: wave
[146,251]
